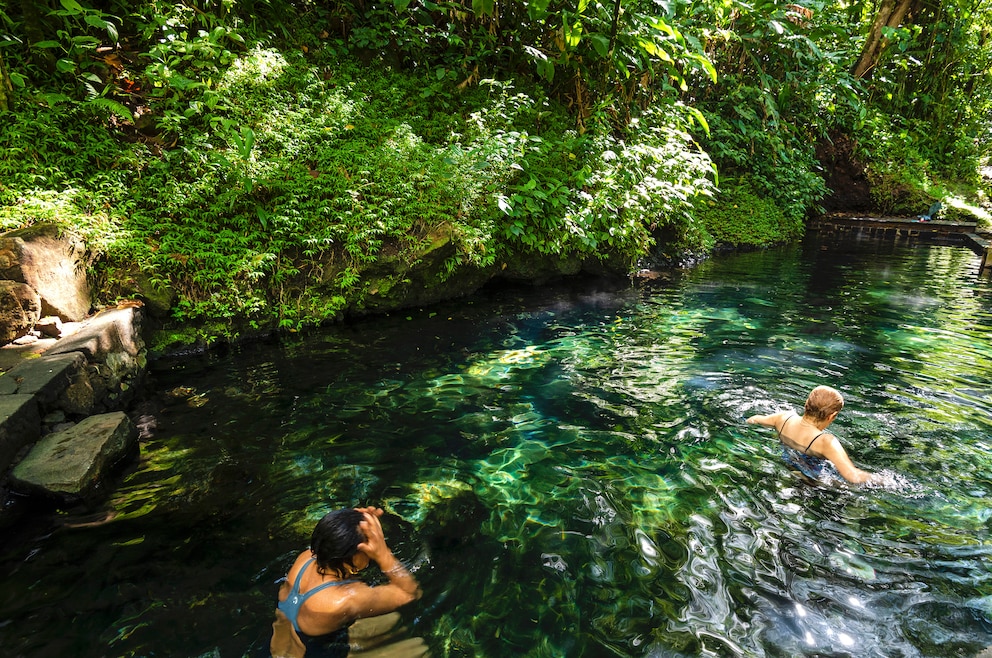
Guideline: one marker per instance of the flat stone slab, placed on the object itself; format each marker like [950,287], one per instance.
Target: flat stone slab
[72,465]
[110,331]
[45,377]
[20,425]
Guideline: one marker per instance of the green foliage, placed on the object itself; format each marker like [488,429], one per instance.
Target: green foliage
[934,82]
[742,215]
[588,195]
[782,86]
[591,54]
[236,158]
[61,167]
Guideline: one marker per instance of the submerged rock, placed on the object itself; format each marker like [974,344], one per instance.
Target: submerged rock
[73,465]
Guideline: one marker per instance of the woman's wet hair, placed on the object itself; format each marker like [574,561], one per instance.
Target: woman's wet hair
[335,540]
[822,402]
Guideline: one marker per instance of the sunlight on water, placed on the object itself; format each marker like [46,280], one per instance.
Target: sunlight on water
[569,474]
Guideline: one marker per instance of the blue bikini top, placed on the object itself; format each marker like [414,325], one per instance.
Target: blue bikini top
[291,606]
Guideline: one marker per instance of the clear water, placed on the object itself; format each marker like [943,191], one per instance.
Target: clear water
[567,472]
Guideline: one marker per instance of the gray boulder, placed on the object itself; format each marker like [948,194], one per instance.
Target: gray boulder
[52,263]
[20,309]
[109,332]
[74,465]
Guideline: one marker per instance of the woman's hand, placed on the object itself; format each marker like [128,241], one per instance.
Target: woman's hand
[375,511]
[374,545]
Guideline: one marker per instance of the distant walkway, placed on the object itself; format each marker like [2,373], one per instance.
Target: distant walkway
[966,234]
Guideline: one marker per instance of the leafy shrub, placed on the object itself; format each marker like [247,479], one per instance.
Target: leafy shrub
[565,193]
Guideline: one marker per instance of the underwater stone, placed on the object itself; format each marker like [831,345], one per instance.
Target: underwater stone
[72,465]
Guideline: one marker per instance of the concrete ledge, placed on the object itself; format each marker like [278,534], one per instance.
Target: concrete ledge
[983,248]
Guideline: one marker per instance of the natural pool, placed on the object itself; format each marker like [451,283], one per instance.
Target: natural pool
[568,473]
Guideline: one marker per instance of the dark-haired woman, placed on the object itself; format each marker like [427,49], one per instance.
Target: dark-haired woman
[320,598]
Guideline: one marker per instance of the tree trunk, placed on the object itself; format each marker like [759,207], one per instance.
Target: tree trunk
[890,14]
[6,89]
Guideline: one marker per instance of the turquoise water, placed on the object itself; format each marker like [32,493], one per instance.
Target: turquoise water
[567,471]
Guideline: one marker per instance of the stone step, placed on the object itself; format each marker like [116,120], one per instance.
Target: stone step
[20,425]
[46,377]
[98,368]
[983,248]
[73,465]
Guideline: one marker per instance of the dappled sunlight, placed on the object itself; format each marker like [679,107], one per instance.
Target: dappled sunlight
[256,68]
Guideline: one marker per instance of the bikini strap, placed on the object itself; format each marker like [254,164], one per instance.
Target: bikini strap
[299,575]
[784,423]
[314,590]
[806,451]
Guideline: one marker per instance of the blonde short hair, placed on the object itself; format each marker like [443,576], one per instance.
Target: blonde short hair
[822,402]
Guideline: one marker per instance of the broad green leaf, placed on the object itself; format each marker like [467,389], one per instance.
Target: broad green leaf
[47,44]
[704,62]
[401,5]
[483,7]
[652,48]
[700,119]
[662,26]
[573,33]
[538,9]
[601,44]
[72,5]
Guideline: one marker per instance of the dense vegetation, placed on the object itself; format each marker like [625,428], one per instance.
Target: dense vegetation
[280,162]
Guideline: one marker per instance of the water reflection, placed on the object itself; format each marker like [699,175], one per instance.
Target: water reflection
[568,473]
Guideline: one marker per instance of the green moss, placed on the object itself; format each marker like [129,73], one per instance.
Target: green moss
[173,340]
[738,216]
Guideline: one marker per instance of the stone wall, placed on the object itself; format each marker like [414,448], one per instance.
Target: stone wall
[79,380]
[67,375]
